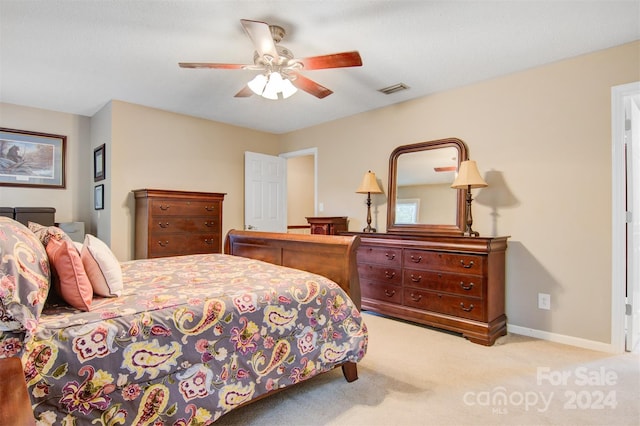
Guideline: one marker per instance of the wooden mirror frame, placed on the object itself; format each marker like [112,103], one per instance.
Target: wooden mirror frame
[425,228]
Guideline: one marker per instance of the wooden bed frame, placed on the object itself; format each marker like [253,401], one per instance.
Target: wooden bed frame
[331,256]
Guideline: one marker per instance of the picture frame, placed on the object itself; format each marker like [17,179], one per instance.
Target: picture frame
[99,163]
[32,159]
[98,197]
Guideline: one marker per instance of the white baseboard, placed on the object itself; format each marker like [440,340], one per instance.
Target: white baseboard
[561,338]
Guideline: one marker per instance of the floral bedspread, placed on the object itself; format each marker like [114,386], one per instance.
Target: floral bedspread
[191,338]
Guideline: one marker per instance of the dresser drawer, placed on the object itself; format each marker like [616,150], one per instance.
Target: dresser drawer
[170,207]
[380,255]
[458,306]
[384,292]
[466,285]
[379,273]
[449,262]
[170,224]
[177,244]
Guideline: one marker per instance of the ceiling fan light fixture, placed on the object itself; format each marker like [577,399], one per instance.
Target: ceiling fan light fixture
[271,86]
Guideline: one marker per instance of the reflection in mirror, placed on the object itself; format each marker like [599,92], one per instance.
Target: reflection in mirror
[426,177]
[421,199]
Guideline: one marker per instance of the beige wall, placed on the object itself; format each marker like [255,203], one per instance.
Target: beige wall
[300,181]
[71,202]
[547,133]
[537,130]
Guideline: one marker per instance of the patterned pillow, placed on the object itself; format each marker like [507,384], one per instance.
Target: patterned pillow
[24,276]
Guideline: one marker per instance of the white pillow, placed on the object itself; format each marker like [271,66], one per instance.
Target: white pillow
[102,267]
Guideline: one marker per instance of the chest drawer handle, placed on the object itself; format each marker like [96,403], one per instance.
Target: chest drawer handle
[416,298]
[389,275]
[389,293]
[390,256]
[416,279]
[210,208]
[466,287]
[163,243]
[163,225]
[416,259]
[164,207]
[469,309]
[208,241]
[467,266]
[210,224]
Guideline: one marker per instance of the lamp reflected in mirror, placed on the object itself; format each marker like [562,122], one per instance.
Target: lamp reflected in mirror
[369,186]
[469,178]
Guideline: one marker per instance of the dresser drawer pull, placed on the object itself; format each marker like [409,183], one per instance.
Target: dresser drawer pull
[209,241]
[466,287]
[210,224]
[164,206]
[163,225]
[469,309]
[416,279]
[389,293]
[467,266]
[163,243]
[390,256]
[416,298]
[416,259]
[389,275]
[210,208]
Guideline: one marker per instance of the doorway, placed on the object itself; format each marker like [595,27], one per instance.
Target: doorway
[625,300]
[302,188]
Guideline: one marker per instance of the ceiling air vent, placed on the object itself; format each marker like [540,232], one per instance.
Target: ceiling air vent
[393,89]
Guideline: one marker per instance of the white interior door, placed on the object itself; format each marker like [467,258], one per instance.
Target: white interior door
[265,201]
[633,224]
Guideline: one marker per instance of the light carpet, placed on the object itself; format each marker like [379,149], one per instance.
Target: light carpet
[415,375]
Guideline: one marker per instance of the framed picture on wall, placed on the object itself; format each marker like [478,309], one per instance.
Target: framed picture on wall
[98,197]
[32,159]
[98,163]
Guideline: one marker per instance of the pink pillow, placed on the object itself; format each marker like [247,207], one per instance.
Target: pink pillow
[72,284]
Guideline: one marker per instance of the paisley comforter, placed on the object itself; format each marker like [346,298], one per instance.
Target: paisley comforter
[191,338]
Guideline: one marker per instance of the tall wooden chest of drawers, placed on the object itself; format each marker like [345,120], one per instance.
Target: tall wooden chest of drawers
[448,282]
[172,223]
[333,225]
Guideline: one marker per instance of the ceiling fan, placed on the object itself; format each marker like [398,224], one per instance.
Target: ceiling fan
[281,70]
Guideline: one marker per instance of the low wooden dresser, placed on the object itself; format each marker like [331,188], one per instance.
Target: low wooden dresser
[451,282]
[172,223]
[333,225]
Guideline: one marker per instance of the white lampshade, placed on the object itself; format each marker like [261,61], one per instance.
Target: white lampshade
[369,184]
[468,176]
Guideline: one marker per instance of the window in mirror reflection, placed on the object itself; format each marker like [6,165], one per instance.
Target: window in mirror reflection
[407,210]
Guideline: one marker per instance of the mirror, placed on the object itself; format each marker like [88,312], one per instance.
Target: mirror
[421,200]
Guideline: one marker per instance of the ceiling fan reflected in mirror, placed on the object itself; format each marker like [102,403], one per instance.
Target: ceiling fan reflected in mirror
[280,71]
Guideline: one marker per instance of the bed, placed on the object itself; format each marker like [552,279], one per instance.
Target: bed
[189,338]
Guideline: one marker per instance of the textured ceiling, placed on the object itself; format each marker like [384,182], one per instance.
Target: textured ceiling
[75,56]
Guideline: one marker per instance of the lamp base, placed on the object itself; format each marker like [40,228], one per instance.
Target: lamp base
[369,229]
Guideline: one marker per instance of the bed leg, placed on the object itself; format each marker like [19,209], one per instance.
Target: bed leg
[350,371]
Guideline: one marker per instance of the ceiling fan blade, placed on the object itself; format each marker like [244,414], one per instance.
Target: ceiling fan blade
[310,86]
[335,60]
[211,65]
[260,35]
[245,92]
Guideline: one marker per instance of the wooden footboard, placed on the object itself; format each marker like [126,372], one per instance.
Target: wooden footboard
[331,256]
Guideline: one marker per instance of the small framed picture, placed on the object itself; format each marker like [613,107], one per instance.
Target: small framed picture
[98,163]
[98,197]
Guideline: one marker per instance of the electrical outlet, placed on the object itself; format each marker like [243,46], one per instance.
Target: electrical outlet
[544,301]
[321,207]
